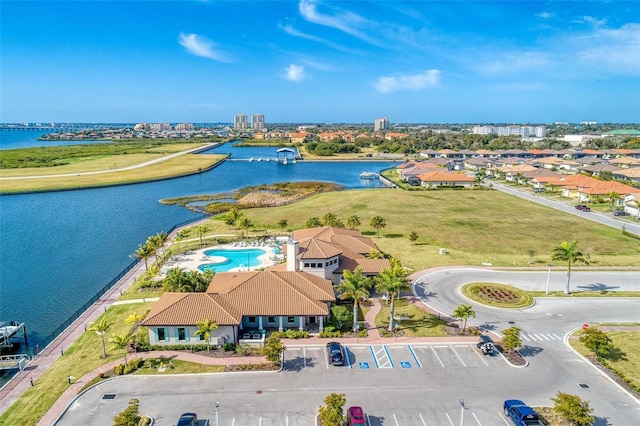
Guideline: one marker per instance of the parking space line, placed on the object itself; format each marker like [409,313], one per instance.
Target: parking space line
[437,357]
[480,356]
[233,422]
[474,416]
[388,356]
[260,421]
[394,418]
[450,421]
[414,356]
[375,358]
[304,357]
[503,419]
[454,351]
[422,420]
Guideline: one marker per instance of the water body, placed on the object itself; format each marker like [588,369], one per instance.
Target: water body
[12,139]
[58,249]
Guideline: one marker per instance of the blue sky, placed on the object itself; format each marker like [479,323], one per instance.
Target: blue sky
[318,61]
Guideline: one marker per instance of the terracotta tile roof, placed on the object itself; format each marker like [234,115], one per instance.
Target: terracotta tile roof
[442,176]
[314,248]
[189,308]
[368,266]
[274,292]
[348,240]
[633,172]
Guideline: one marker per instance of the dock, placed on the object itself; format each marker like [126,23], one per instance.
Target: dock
[8,330]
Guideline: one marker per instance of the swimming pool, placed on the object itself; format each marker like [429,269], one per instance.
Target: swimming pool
[226,259]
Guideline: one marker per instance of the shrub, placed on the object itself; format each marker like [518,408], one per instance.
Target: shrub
[230,347]
[118,369]
[325,333]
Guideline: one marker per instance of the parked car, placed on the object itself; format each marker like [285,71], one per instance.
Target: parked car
[335,353]
[355,416]
[485,344]
[620,213]
[583,208]
[520,413]
[188,419]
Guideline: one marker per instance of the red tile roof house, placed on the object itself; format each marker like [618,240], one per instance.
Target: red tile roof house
[448,179]
[295,294]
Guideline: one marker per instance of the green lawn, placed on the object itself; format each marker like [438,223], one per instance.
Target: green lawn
[412,320]
[474,226]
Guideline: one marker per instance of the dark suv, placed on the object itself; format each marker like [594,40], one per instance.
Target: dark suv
[583,208]
[334,353]
[188,419]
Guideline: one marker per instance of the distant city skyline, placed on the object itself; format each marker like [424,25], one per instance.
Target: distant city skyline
[311,61]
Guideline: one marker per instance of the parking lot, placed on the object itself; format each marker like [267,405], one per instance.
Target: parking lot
[313,359]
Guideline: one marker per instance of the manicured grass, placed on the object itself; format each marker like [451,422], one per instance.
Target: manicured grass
[473,226]
[474,291]
[625,357]
[83,356]
[184,164]
[180,367]
[418,322]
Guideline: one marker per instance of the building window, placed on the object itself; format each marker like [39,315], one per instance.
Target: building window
[291,320]
[306,264]
[162,335]
[182,334]
[252,320]
[271,320]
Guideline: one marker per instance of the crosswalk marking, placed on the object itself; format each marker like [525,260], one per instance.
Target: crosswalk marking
[540,337]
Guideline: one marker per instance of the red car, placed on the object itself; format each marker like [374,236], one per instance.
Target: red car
[583,208]
[355,416]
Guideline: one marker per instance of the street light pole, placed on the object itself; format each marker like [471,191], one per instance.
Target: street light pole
[217,410]
[548,278]
[463,407]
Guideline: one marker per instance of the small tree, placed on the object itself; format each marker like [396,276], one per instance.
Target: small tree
[313,222]
[273,349]
[201,230]
[597,342]
[121,341]
[463,312]
[573,409]
[353,221]
[100,327]
[568,252]
[130,416]
[532,255]
[413,236]
[511,339]
[135,319]
[378,222]
[332,414]
[354,286]
[204,329]
[282,223]
[341,315]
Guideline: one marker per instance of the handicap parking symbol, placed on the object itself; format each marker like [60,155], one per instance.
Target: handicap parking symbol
[364,365]
[405,364]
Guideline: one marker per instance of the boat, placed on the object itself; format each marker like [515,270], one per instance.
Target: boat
[369,175]
[260,159]
[250,159]
[268,159]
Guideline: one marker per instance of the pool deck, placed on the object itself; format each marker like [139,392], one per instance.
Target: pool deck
[190,260]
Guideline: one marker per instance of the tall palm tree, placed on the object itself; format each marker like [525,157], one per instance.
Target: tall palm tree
[392,280]
[568,252]
[245,224]
[183,234]
[378,222]
[353,221]
[202,229]
[233,216]
[354,286]
[135,319]
[121,341]
[204,329]
[464,312]
[144,252]
[100,327]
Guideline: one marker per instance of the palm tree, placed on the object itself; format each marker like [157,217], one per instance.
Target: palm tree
[313,222]
[354,286]
[121,341]
[100,327]
[202,229]
[204,329]
[144,252]
[282,223]
[135,319]
[353,221]
[244,224]
[183,234]
[613,196]
[464,312]
[378,223]
[392,280]
[233,216]
[568,252]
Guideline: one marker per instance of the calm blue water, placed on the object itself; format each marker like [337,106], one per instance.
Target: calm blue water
[58,249]
[11,139]
[240,258]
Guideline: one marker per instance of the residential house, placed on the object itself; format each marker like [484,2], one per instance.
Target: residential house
[441,178]
[632,174]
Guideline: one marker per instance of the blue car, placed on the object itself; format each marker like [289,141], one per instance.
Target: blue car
[188,419]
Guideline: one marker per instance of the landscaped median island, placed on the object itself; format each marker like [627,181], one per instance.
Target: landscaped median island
[499,295]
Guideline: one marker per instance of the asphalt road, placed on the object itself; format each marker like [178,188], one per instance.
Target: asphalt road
[418,384]
[563,206]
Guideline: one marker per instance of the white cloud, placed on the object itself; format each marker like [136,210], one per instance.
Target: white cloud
[425,80]
[201,46]
[294,72]
[613,50]
[344,21]
[509,63]
[544,15]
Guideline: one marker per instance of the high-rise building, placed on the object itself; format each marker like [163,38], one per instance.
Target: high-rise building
[525,131]
[240,122]
[257,122]
[381,124]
